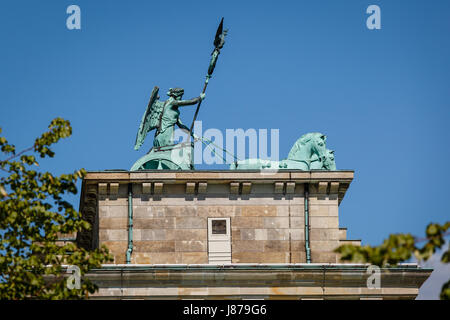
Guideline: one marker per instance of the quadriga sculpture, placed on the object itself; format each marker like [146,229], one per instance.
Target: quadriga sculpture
[309,152]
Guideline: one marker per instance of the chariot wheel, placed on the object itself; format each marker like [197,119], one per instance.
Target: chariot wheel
[163,160]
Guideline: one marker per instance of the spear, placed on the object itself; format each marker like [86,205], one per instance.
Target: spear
[219,41]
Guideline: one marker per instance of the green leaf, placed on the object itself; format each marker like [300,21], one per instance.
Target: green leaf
[33,214]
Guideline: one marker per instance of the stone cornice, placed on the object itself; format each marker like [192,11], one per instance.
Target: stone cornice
[324,280]
[255,176]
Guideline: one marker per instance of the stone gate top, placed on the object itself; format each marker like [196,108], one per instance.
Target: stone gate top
[166,216]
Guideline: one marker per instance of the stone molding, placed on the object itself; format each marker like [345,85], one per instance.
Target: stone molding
[235,281]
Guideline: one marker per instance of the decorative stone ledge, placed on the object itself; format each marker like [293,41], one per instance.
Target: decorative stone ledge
[279,186]
[158,187]
[267,281]
[113,188]
[246,187]
[234,187]
[334,187]
[190,187]
[322,187]
[290,187]
[102,188]
[146,188]
[202,187]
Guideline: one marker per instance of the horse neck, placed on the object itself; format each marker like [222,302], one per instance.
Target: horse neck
[304,152]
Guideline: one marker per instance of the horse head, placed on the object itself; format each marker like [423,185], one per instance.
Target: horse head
[309,148]
[318,146]
[329,163]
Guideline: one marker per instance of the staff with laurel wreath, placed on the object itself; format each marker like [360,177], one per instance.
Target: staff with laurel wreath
[219,41]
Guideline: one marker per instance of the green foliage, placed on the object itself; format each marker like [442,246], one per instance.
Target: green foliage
[445,291]
[33,214]
[401,247]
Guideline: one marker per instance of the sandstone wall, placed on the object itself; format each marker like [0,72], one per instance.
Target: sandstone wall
[267,225]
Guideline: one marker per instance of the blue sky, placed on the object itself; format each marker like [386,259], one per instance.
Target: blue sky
[381,96]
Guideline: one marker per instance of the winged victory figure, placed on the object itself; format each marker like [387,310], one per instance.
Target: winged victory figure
[162,116]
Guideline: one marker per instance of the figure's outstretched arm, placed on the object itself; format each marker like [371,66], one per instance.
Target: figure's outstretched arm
[180,103]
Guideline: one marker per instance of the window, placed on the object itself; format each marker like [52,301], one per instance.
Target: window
[219,226]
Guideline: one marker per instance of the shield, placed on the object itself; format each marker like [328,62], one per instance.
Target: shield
[150,119]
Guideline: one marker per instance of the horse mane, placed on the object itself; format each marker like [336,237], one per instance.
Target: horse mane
[302,141]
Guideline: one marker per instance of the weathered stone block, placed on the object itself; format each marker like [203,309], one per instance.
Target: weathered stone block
[247,246]
[190,222]
[276,222]
[298,234]
[247,234]
[190,246]
[282,210]
[298,257]
[157,257]
[217,211]
[117,249]
[187,234]
[247,222]
[277,234]
[297,245]
[297,222]
[113,235]
[236,234]
[274,257]
[324,234]
[194,257]
[324,222]
[296,210]
[318,210]
[276,246]
[333,211]
[323,257]
[117,211]
[181,211]
[327,246]
[259,211]
[342,233]
[113,223]
[154,223]
[154,246]
[245,257]
[141,258]
[153,234]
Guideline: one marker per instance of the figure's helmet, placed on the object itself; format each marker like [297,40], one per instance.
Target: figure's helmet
[175,92]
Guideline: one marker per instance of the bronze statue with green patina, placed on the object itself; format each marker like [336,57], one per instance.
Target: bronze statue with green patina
[163,116]
[309,152]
